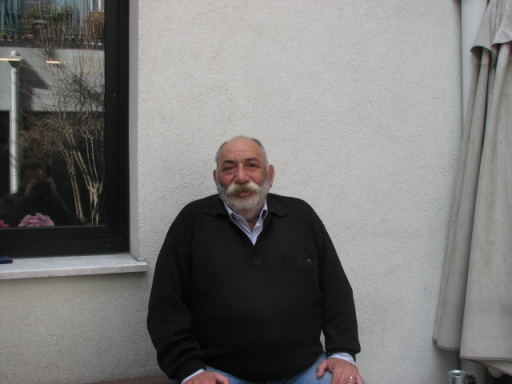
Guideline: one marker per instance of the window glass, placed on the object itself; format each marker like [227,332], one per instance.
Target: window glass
[62,84]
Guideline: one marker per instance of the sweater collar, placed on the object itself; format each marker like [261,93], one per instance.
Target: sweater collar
[216,206]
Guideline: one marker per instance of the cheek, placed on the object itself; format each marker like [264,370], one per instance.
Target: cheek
[259,178]
[225,180]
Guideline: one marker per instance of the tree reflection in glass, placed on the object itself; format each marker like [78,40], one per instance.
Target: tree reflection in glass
[62,102]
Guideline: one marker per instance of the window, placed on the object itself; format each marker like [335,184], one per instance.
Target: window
[64,105]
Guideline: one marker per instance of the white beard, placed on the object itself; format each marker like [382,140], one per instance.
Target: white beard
[246,206]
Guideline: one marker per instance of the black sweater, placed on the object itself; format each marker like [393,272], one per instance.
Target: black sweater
[254,311]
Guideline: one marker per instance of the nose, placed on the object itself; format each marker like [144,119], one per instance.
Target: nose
[241,176]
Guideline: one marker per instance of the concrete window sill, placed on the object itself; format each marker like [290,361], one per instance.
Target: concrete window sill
[28,268]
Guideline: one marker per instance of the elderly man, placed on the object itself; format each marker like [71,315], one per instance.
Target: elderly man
[245,283]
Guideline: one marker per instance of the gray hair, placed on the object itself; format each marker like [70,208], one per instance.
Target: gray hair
[217,155]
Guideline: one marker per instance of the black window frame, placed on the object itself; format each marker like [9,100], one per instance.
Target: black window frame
[113,237]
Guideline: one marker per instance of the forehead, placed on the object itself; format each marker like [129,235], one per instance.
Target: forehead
[239,149]
[33,173]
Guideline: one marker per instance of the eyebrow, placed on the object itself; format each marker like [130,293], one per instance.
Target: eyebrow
[251,159]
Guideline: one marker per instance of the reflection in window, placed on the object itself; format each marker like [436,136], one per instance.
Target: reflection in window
[53,87]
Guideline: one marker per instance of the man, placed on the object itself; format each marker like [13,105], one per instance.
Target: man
[245,283]
[37,195]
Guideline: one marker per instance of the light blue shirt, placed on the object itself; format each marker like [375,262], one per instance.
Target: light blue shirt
[241,223]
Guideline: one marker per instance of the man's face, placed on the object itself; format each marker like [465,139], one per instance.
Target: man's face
[242,177]
[32,176]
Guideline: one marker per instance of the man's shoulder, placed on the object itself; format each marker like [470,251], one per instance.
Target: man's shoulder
[288,199]
[193,211]
[207,204]
[9,201]
[288,203]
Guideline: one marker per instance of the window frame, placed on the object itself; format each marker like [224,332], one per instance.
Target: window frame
[112,237]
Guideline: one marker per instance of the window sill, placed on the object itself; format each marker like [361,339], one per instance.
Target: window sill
[28,268]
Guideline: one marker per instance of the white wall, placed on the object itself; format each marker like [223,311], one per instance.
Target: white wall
[358,104]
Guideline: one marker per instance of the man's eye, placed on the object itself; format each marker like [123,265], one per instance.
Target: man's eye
[252,166]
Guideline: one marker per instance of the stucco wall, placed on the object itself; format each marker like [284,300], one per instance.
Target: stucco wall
[358,105]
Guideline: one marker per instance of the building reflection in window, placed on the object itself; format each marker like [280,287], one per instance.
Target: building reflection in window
[52,102]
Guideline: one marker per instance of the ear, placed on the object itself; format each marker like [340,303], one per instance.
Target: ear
[215,176]
[271,174]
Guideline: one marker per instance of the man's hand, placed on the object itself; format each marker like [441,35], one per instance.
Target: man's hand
[342,371]
[207,377]
[51,184]
[30,185]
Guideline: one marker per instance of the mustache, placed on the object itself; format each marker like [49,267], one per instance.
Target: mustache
[235,188]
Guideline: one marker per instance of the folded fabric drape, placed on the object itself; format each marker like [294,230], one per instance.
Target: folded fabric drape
[474,313]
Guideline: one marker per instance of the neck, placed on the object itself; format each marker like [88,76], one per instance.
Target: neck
[252,222]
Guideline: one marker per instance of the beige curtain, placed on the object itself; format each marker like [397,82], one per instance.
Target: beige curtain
[474,313]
